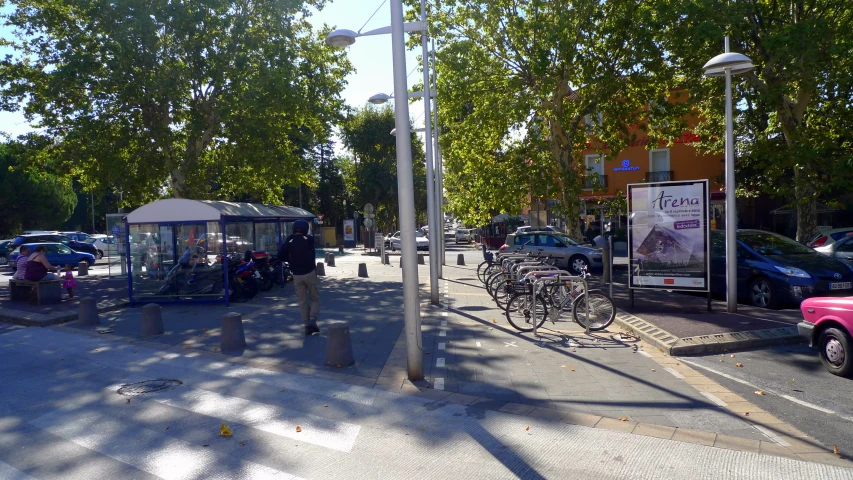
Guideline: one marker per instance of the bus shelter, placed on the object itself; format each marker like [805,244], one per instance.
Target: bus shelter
[178,249]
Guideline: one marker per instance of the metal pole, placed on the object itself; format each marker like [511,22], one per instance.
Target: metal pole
[731,208]
[610,240]
[92,200]
[406,199]
[435,229]
[439,169]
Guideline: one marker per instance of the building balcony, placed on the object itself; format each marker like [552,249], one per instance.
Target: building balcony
[595,182]
[663,176]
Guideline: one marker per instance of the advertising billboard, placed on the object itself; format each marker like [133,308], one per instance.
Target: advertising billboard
[668,245]
[349,233]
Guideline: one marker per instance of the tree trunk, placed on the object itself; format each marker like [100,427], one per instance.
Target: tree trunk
[806,208]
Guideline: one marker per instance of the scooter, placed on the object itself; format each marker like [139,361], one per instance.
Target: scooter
[187,278]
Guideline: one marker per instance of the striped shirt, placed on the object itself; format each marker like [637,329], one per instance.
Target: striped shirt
[22,267]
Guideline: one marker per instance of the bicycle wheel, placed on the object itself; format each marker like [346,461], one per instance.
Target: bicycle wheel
[502,294]
[493,281]
[520,314]
[481,270]
[602,311]
[491,270]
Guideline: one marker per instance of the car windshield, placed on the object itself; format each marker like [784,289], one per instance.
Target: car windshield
[419,234]
[772,244]
[90,240]
[566,240]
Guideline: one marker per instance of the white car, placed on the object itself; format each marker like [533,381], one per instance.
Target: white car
[421,240]
[104,244]
[464,235]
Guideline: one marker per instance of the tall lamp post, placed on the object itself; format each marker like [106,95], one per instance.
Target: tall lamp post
[405,186]
[728,64]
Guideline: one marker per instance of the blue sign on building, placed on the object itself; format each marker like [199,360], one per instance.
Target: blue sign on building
[626,167]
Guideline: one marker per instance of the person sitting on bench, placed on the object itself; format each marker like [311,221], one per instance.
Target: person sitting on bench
[21,264]
[38,266]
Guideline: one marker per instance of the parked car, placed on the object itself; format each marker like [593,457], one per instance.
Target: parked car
[570,256]
[828,325]
[104,244]
[827,238]
[774,270]
[421,240]
[529,229]
[55,238]
[389,237]
[5,248]
[78,236]
[464,235]
[57,254]
[841,249]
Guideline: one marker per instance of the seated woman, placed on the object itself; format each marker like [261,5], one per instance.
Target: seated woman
[38,266]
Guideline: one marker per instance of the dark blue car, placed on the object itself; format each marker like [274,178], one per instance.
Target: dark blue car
[773,270]
[57,254]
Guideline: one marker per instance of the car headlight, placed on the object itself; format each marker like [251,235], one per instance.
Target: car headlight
[793,272]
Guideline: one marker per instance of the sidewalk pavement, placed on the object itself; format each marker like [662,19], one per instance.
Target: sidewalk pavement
[608,380]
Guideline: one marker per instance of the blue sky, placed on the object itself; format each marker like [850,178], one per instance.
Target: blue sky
[371,57]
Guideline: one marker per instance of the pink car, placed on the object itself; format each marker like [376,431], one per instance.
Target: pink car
[828,325]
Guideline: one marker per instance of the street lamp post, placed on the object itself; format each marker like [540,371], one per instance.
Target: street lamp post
[405,185]
[728,64]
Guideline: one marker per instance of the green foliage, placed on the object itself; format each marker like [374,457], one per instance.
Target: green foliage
[371,173]
[793,112]
[31,198]
[516,78]
[151,97]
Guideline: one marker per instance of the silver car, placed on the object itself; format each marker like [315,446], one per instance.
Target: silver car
[840,249]
[571,256]
[464,235]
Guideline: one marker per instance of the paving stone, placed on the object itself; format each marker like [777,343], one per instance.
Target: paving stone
[659,431]
[827,458]
[694,436]
[770,448]
[804,445]
[577,418]
[736,443]
[461,399]
[517,408]
[547,414]
[615,424]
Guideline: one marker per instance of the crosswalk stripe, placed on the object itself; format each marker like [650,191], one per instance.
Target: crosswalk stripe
[268,418]
[9,472]
[149,451]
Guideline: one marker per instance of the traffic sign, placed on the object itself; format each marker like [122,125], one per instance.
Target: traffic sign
[368,222]
[371,215]
[368,208]
[116,230]
[320,216]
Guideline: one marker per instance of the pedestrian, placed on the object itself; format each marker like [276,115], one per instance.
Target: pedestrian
[68,281]
[21,264]
[298,250]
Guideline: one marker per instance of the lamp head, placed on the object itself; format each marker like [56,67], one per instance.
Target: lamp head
[379,98]
[736,62]
[341,38]
[394,132]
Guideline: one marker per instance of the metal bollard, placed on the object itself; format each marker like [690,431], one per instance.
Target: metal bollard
[420,260]
[152,320]
[88,313]
[321,269]
[362,270]
[339,346]
[386,259]
[341,249]
[232,337]
[607,259]
[460,259]
[330,259]
[82,269]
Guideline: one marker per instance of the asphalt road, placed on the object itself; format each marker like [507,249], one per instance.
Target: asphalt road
[798,389]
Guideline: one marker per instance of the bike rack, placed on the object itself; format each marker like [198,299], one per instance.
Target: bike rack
[562,276]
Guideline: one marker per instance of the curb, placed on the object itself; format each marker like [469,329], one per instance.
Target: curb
[18,317]
[716,343]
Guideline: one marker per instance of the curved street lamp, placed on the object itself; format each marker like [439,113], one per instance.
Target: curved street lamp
[728,64]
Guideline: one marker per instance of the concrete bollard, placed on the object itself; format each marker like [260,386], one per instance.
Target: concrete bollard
[321,269]
[341,249]
[88,313]
[387,259]
[401,261]
[152,320]
[339,346]
[326,257]
[420,260]
[460,259]
[362,270]
[232,337]
[330,259]
[82,269]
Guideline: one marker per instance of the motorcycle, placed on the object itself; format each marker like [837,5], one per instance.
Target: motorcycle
[281,271]
[265,268]
[193,275]
[242,277]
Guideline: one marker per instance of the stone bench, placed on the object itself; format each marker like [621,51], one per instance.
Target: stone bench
[47,291]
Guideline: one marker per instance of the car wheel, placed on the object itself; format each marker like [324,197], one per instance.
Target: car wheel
[834,345]
[761,293]
[577,264]
[99,255]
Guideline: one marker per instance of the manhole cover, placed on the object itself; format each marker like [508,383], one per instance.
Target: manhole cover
[148,386]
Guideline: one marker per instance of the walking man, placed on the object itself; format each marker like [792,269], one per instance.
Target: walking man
[298,250]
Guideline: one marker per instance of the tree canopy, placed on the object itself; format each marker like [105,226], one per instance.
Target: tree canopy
[151,97]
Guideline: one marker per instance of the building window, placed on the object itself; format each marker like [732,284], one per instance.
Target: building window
[594,176]
[659,160]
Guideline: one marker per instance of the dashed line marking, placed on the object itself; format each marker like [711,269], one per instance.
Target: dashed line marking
[442,333]
[807,404]
[444,323]
[772,436]
[443,314]
[438,384]
[713,398]
[439,362]
[644,354]
[478,345]
[442,345]
[674,373]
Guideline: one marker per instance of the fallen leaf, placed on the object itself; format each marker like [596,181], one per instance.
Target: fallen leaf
[242,444]
[677,364]
[721,360]
[562,366]
[206,445]
[282,389]
[624,419]
[224,431]
[216,349]
[205,329]
[835,450]
[746,414]
[187,347]
[660,350]
[298,429]
[166,428]
[733,355]
[573,368]
[528,428]
[325,404]
[760,392]
[494,320]
[128,400]
[739,365]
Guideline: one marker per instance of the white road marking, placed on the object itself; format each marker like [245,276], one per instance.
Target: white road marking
[444,323]
[807,404]
[439,384]
[11,473]
[439,362]
[772,436]
[478,345]
[674,373]
[144,449]
[442,333]
[510,344]
[442,345]
[268,418]
[713,398]
[644,353]
[443,314]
